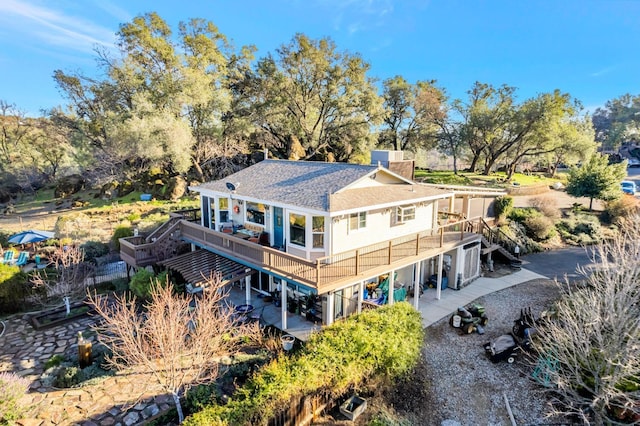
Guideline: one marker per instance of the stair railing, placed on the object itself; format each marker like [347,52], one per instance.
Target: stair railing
[497,236]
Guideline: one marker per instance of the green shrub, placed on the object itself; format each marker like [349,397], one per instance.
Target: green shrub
[93,250]
[54,361]
[120,284]
[143,280]
[580,229]
[503,206]
[67,377]
[4,238]
[121,232]
[132,217]
[521,214]
[540,228]
[383,344]
[13,388]
[14,289]
[200,397]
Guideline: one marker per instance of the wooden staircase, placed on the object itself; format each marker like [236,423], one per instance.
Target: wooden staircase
[495,240]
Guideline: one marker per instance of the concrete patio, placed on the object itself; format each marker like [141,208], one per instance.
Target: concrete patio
[431,309]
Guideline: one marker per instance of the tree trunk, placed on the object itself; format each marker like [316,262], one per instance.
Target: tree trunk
[510,171]
[198,170]
[590,204]
[176,400]
[455,164]
[474,163]
[488,165]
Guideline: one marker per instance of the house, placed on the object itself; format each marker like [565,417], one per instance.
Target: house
[336,236]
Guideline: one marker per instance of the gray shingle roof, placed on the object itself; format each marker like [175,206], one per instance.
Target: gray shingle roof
[302,183]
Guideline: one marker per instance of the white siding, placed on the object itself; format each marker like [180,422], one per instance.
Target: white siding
[380,227]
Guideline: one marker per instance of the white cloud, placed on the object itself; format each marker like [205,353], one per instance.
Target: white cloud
[603,71]
[52,27]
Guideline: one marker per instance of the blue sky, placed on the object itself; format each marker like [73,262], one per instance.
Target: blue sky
[588,48]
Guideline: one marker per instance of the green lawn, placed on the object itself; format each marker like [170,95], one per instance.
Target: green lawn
[495,180]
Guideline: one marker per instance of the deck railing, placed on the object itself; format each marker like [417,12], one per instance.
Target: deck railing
[315,273]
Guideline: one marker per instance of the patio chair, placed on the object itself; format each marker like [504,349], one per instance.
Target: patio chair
[194,290]
[23,258]
[8,256]
[256,316]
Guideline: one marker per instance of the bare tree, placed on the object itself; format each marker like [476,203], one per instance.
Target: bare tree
[178,343]
[591,351]
[69,280]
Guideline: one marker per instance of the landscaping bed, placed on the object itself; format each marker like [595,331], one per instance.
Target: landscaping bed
[57,316]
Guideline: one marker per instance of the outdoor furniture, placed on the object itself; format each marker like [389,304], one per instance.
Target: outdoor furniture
[263,239]
[23,258]
[256,315]
[241,313]
[8,256]
[191,289]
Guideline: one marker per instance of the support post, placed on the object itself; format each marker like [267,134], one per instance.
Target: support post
[417,287]
[330,314]
[439,275]
[247,286]
[283,303]
[392,282]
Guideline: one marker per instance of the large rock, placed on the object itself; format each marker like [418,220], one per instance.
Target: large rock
[69,185]
[5,196]
[176,188]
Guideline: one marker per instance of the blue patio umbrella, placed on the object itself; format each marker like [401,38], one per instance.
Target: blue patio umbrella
[30,236]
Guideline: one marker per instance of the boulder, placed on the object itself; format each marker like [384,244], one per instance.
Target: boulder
[69,185]
[5,196]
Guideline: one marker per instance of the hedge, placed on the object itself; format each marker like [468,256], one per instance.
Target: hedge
[384,343]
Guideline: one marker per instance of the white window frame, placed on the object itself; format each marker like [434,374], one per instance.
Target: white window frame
[362,221]
[314,232]
[405,213]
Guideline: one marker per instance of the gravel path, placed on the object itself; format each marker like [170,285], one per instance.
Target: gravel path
[457,383]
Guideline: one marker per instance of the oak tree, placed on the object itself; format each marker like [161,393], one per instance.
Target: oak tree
[311,94]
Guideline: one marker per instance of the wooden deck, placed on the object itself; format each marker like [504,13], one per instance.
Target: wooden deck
[323,274]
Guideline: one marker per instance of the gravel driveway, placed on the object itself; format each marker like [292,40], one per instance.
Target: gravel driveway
[458,385]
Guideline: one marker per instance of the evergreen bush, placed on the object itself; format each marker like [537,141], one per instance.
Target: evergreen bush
[540,228]
[382,344]
[93,250]
[14,289]
[121,232]
[142,281]
[503,206]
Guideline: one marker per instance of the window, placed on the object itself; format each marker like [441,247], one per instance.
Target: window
[297,224]
[318,231]
[357,221]
[205,211]
[212,209]
[223,204]
[405,213]
[255,212]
